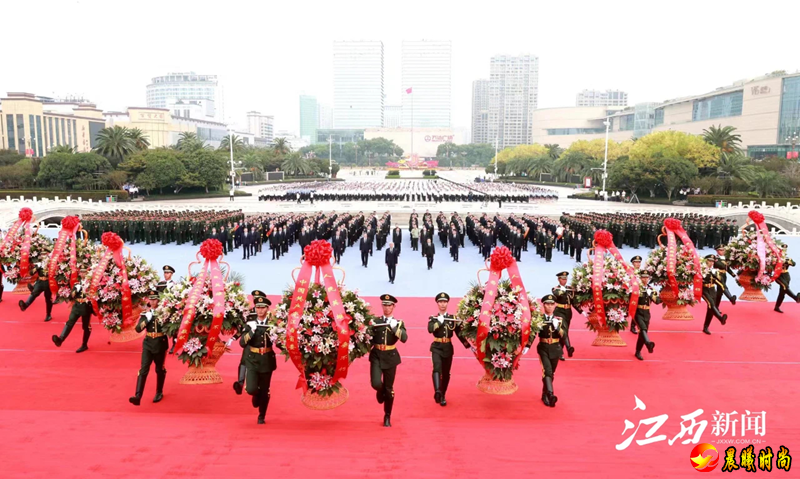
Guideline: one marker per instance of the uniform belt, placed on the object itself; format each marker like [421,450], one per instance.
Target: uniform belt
[154,335]
[442,340]
[708,285]
[260,350]
[385,347]
[549,340]
[562,306]
[641,306]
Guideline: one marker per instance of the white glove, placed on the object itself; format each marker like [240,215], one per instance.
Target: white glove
[253,325]
[149,316]
[391,322]
[77,287]
[556,322]
[525,350]
[228,343]
[440,319]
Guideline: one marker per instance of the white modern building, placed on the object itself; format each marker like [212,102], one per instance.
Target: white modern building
[198,109]
[325,116]
[392,115]
[601,98]
[260,125]
[426,67]
[172,87]
[513,98]
[357,84]
[295,142]
[480,111]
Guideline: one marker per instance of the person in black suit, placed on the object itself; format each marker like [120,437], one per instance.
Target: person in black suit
[578,247]
[454,242]
[223,238]
[391,261]
[397,239]
[429,251]
[245,241]
[365,247]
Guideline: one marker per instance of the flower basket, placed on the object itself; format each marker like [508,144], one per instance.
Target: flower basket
[21,286]
[605,336]
[206,372]
[72,257]
[752,289]
[499,327]
[676,310]
[22,251]
[321,327]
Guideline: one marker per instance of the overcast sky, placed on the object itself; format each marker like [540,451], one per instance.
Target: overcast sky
[267,53]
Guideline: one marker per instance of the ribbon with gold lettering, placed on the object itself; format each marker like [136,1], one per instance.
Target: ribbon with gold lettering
[11,240]
[500,260]
[211,250]
[113,244]
[604,242]
[674,227]
[69,228]
[763,237]
[318,255]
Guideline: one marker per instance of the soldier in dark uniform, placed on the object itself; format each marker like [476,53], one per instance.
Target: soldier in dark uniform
[783,282]
[81,309]
[549,349]
[259,357]
[238,386]
[443,326]
[710,283]
[154,350]
[40,286]
[564,296]
[647,296]
[384,357]
[722,267]
[167,284]
[636,263]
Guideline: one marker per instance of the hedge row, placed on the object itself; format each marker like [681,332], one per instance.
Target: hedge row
[94,195]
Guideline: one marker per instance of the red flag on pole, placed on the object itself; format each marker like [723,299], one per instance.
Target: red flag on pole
[408,90]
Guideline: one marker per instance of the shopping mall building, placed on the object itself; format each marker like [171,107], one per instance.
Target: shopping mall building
[765,111]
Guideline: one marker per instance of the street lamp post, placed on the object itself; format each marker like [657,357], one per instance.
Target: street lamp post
[496,142]
[230,143]
[605,159]
[793,140]
[330,157]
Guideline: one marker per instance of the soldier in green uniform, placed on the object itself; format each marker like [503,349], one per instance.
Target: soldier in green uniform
[549,349]
[81,309]
[154,350]
[783,282]
[564,296]
[40,286]
[238,385]
[647,296]
[259,357]
[710,282]
[636,263]
[443,326]
[384,357]
[722,267]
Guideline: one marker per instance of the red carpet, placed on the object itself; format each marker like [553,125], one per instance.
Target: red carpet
[67,415]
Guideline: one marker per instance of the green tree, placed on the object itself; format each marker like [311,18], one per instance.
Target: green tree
[295,165]
[553,150]
[212,168]
[115,179]
[676,144]
[281,147]
[572,162]
[723,138]
[164,168]
[18,175]
[674,173]
[542,165]
[139,139]
[596,149]
[238,143]
[115,144]
[71,171]
[734,166]
[768,183]
[10,157]
[62,149]
[334,170]
[188,141]
[631,175]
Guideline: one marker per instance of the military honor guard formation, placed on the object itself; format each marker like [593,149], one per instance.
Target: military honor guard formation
[321,327]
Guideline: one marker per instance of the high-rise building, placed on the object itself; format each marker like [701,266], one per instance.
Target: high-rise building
[601,98]
[325,116]
[260,125]
[392,115]
[357,84]
[480,111]
[309,118]
[426,71]
[173,87]
[514,95]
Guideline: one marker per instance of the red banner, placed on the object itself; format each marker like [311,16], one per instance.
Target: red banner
[113,244]
[500,260]
[318,255]
[604,242]
[69,228]
[211,250]
[24,221]
[762,234]
[674,227]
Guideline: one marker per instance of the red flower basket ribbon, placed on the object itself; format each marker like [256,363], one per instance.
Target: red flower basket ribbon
[317,255]
[69,228]
[764,237]
[11,240]
[113,244]
[500,260]
[604,242]
[211,250]
[674,227]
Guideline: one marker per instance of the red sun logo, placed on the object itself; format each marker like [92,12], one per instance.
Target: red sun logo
[704,457]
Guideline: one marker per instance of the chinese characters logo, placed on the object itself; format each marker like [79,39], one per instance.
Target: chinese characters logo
[704,457]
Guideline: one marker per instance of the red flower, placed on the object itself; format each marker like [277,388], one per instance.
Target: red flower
[211,249]
[757,217]
[501,259]
[673,224]
[495,336]
[112,241]
[25,214]
[603,238]
[70,222]
[318,253]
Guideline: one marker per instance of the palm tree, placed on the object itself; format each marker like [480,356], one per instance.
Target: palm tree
[140,140]
[571,163]
[723,138]
[62,149]
[188,141]
[295,165]
[553,150]
[767,183]
[238,143]
[115,144]
[541,165]
[734,166]
[281,146]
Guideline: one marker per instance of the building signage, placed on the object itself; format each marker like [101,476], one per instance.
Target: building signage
[759,90]
[151,116]
[440,138]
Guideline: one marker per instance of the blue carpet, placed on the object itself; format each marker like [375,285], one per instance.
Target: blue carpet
[412,279]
